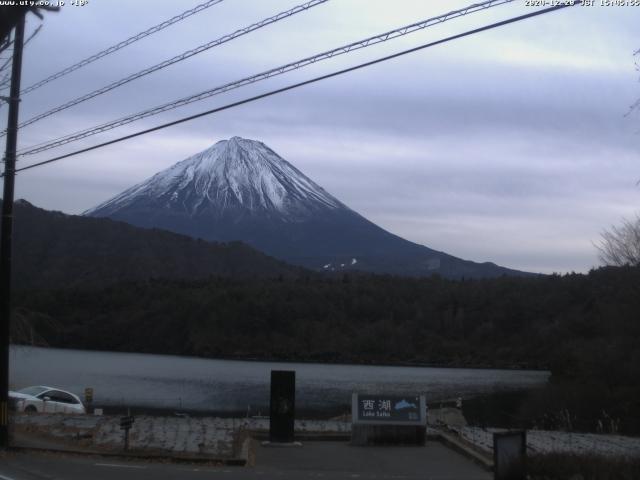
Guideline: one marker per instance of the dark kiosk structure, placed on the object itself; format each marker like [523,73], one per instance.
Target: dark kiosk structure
[283,406]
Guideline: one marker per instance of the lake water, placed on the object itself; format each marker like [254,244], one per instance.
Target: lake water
[187,383]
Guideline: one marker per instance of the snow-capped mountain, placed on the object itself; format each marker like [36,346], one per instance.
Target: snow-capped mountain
[232,175]
[240,189]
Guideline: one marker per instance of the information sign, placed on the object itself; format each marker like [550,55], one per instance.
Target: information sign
[389,409]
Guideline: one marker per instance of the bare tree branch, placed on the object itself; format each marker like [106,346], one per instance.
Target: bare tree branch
[635,105]
[621,245]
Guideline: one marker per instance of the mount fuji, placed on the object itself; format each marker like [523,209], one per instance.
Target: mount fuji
[240,189]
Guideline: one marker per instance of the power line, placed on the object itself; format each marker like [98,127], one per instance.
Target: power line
[6,44]
[6,78]
[122,44]
[306,82]
[178,58]
[3,47]
[33,34]
[10,59]
[383,37]
[5,64]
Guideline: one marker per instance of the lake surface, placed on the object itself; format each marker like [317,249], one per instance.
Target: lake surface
[187,383]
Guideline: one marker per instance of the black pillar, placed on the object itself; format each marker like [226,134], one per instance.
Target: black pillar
[510,455]
[283,406]
[7,231]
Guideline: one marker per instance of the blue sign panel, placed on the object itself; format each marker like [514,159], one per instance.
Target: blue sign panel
[399,409]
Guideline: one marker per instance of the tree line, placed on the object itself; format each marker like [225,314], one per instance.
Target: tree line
[584,328]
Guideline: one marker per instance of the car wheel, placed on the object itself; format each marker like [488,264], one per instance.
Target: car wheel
[31,409]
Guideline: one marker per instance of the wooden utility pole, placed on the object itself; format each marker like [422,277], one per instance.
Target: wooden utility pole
[7,230]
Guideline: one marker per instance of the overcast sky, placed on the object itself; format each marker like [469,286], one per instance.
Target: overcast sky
[509,146]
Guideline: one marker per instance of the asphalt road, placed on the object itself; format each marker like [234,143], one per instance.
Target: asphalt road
[319,460]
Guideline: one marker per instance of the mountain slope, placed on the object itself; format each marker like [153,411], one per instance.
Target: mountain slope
[52,249]
[240,189]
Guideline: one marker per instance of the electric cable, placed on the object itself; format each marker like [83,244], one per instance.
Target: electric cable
[122,44]
[383,37]
[178,58]
[306,82]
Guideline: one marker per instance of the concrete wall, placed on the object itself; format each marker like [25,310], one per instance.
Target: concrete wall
[388,434]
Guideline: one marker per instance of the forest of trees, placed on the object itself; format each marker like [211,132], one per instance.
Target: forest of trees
[584,328]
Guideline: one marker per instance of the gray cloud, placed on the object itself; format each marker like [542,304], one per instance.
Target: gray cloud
[510,146]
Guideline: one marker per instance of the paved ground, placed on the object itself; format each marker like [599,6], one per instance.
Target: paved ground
[325,460]
[341,460]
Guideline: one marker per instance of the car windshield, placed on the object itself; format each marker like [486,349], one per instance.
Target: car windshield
[33,390]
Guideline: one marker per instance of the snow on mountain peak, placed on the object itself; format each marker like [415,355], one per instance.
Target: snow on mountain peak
[234,173]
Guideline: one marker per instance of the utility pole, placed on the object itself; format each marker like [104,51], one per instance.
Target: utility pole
[7,230]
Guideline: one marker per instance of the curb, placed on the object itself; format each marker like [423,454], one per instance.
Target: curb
[244,459]
[308,437]
[240,461]
[246,455]
[465,449]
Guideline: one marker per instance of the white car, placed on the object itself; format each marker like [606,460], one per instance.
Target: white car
[43,399]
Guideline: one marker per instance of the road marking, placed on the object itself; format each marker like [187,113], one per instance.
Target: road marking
[2,477]
[115,465]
